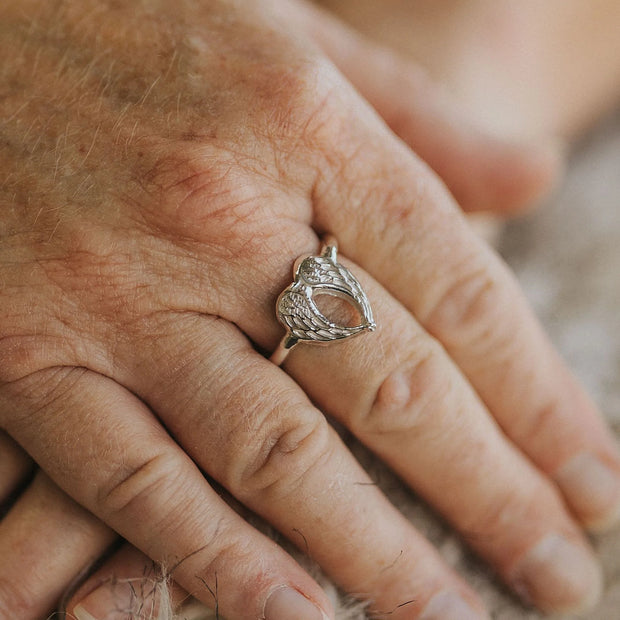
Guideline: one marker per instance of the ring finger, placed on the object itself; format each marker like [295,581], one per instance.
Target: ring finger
[404,397]
[459,291]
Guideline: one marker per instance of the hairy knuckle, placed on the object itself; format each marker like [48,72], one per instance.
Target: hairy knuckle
[407,398]
[198,191]
[280,462]
[309,104]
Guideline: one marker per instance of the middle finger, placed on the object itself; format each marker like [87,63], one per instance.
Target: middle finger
[263,440]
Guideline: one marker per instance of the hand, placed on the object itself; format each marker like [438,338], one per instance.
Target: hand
[46,538]
[160,181]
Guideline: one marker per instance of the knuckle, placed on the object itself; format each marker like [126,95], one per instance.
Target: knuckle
[545,421]
[227,548]
[317,132]
[20,356]
[279,464]
[142,487]
[548,413]
[49,387]
[398,215]
[198,191]
[308,101]
[41,326]
[401,193]
[26,341]
[489,522]
[40,390]
[371,185]
[408,398]
[404,190]
[494,520]
[469,305]
[227,551]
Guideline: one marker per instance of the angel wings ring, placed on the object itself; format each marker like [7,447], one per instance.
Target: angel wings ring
[298,312]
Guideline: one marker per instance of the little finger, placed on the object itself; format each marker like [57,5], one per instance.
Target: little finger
[126,469]
[482,171]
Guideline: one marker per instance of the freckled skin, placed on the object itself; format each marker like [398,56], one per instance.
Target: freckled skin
[77,170]
[163,166]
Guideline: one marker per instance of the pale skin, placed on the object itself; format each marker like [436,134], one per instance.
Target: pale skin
[164,164]
[520,67]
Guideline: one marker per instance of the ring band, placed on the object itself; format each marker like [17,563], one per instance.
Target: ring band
[298,313]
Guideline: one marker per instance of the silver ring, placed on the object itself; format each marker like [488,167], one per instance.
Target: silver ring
[300,315]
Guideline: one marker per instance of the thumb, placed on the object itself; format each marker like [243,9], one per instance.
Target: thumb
[483,172]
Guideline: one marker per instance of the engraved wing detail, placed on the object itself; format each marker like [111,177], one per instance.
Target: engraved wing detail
[298,312]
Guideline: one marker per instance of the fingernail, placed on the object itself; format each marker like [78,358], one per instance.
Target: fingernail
[289,604]
[99,604]
[557,575]
[116,600]
[593,490]
[450,606]
[81,614]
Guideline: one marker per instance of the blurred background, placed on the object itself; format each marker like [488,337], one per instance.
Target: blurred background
[567,258]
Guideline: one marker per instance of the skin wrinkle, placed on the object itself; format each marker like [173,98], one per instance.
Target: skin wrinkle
[38,215]
[164,237]
[115,128]
[233,392]
[285,462]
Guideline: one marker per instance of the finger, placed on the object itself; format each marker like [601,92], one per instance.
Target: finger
[45,541]
[266,443]
[130,473]
[15,466]
[463,295]
[482,172]
[127,585]
[401,394]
